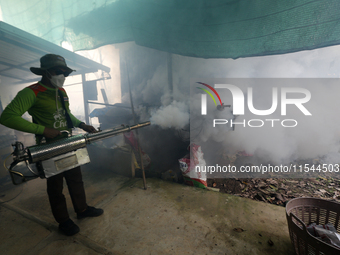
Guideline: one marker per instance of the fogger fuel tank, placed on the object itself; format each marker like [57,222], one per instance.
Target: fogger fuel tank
[63,154]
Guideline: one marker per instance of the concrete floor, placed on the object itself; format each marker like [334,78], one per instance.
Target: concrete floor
[167,218]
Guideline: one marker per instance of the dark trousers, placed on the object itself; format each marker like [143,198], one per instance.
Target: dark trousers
[56,197]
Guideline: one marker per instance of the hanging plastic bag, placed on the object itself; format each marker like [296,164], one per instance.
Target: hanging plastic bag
[190,165]
[132,141]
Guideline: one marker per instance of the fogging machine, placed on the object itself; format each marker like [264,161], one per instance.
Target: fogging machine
[59,156]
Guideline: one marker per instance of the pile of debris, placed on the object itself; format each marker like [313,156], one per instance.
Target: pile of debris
[279,191]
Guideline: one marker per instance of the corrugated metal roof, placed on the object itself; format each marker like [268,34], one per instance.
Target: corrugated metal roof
[20,50]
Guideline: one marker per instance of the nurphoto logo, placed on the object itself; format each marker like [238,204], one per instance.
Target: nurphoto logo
[238,104]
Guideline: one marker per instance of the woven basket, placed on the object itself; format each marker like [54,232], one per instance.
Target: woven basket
[301,212]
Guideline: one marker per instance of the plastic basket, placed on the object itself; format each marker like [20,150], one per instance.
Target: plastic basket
[301,212]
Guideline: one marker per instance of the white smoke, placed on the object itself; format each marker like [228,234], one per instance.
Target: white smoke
[314,137]
[175,115]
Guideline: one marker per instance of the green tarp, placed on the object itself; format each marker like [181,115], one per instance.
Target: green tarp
[198,28]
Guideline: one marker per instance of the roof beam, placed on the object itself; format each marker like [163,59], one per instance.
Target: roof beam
[41,47]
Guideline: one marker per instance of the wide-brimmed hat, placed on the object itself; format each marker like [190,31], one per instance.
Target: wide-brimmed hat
[50,61]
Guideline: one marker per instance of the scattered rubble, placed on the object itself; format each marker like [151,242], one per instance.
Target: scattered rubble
[279,191]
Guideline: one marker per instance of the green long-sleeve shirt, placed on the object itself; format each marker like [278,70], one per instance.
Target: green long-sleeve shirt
[40,102]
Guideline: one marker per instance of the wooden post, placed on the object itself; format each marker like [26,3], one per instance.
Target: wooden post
[86,104]
[170,82]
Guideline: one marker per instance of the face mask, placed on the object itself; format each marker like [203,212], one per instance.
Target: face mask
[58,80]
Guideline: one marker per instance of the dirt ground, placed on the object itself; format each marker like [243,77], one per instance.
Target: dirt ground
[167,218]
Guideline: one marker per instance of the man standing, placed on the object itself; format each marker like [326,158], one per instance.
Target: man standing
[47,103]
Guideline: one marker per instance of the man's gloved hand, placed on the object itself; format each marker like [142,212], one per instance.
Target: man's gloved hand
[88,128]
[51,132]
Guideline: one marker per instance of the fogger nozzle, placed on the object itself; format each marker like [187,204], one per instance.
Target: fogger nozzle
[92,137]
[46,151]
